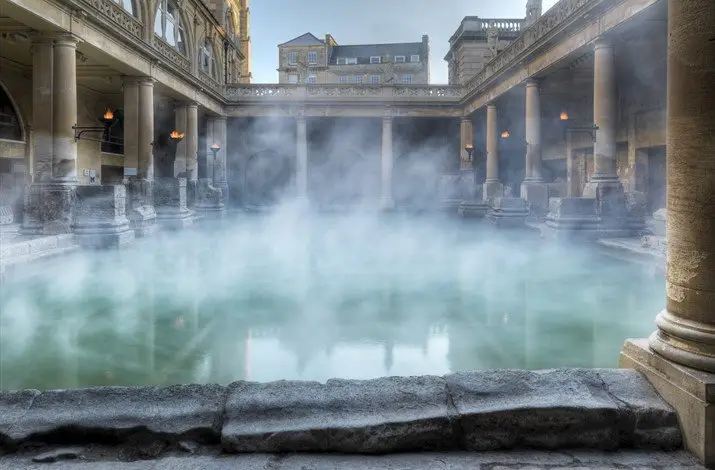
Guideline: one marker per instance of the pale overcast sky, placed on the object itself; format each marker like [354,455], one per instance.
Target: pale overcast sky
[367,21]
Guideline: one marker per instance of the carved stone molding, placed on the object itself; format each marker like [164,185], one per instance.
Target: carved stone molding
[170,53]
[118,15]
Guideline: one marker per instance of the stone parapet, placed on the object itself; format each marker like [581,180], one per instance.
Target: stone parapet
[140,206]
[574,216]
[209,201]
[475,411]
[48,209]
[170,203]
[100,219]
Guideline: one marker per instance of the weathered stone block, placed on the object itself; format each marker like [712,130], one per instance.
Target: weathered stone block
[545,409]
[6,215]
[209,201]
[572,213]
[537,195]
[100,219]
[472,209]
[491,190]
[388,414]
[508,212]
[57,207]
[140,206]
[79,416]
[657,223]
[170,203]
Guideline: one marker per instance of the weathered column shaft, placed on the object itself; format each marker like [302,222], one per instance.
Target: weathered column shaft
[210,140]
[533,132]
[492,144]
[130,87]
[145,145]
[42,117]
[466,136]
[386,161]
[686,328]
[219,130]
[301,173]
[180,163]
[572,176]
[192,141]
[605,114]
[64,110]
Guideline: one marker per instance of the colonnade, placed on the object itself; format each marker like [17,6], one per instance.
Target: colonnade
[53,160]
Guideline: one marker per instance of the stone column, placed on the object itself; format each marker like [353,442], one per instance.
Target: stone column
[130,87]
[219,133]
[680,362]
[145,146]
[686,328]
[572,174]
[180,162]
[192,149]
[533,188]
[466,136]
[42,117]
[605,116]
[386,200]
[64,110]
[301,164]
[492,186]
[207,150]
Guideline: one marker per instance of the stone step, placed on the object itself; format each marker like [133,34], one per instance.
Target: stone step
[605,409]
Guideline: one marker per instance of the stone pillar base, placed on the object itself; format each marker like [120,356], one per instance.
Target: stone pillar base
[472,209]
[223,186]
[209,201]
[508,212]
[140,207]
[48,209]
[573,217]
[387,204]
[100,217]
[191,193]
[690,392]
[536,193]
[170,203]
[492,189]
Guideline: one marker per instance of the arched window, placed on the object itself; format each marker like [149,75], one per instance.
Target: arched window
[168,25]
[207,61]
[128,5]
[10,127]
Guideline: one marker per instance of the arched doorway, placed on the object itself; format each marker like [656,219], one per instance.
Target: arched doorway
[268,176]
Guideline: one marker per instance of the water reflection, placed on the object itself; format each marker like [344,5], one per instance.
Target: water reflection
[270,298]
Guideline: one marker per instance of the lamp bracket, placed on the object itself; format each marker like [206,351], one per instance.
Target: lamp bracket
[590,130]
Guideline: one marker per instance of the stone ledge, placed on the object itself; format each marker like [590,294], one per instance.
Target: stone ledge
[490,410]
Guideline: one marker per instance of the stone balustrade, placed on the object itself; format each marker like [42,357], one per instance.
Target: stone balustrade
[443,94]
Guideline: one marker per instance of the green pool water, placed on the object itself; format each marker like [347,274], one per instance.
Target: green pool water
[289,297]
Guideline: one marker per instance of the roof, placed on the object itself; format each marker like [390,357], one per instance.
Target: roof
[306,39]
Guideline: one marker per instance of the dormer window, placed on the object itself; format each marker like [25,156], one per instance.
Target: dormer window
[375,59]
[414,58]
[399,59]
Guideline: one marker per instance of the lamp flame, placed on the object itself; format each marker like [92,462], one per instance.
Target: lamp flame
[176,135]
[505,134]
[108,114]
[215,147]
[564,116]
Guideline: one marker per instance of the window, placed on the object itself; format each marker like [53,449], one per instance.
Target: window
[10,127]
[128,5]
[312,79]
[292,58]
[399,59]
[374,79]
[351,60]
[293,78]
[356,79]
[375,59]
[168,25]
[407,79]
[343,79]
[207,62]
[312,57]
[342,61]
[414,58]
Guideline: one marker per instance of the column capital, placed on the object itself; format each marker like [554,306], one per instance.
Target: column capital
[186,104]
[491,106]
[603,43]
[39,37]
[66,39]
[466,119]
[218,118]
[531,82]
[139,80]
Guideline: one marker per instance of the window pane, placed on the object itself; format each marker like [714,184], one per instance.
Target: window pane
[170,35]
[157,24]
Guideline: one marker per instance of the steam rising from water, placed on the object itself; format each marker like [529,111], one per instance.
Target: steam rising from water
[316,296]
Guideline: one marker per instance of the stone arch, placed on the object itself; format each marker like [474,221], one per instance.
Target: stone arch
[11,111]
[186,26]
[136,8]
[267,177]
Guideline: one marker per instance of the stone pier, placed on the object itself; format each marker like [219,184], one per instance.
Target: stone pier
[492,186]
[533,189]
[679,358]
[170,203]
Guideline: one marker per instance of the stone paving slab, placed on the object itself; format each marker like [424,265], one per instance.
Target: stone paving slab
[515,460]
[483,410]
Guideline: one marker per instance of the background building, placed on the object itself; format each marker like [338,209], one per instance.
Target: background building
[307,59]
[479,40]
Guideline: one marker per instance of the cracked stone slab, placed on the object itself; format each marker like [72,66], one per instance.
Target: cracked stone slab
[388,414]
[550,409]
[648,421]
[80,416]
[14,405]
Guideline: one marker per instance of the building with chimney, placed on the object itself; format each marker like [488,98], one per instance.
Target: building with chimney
[308,59]
[479,40]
